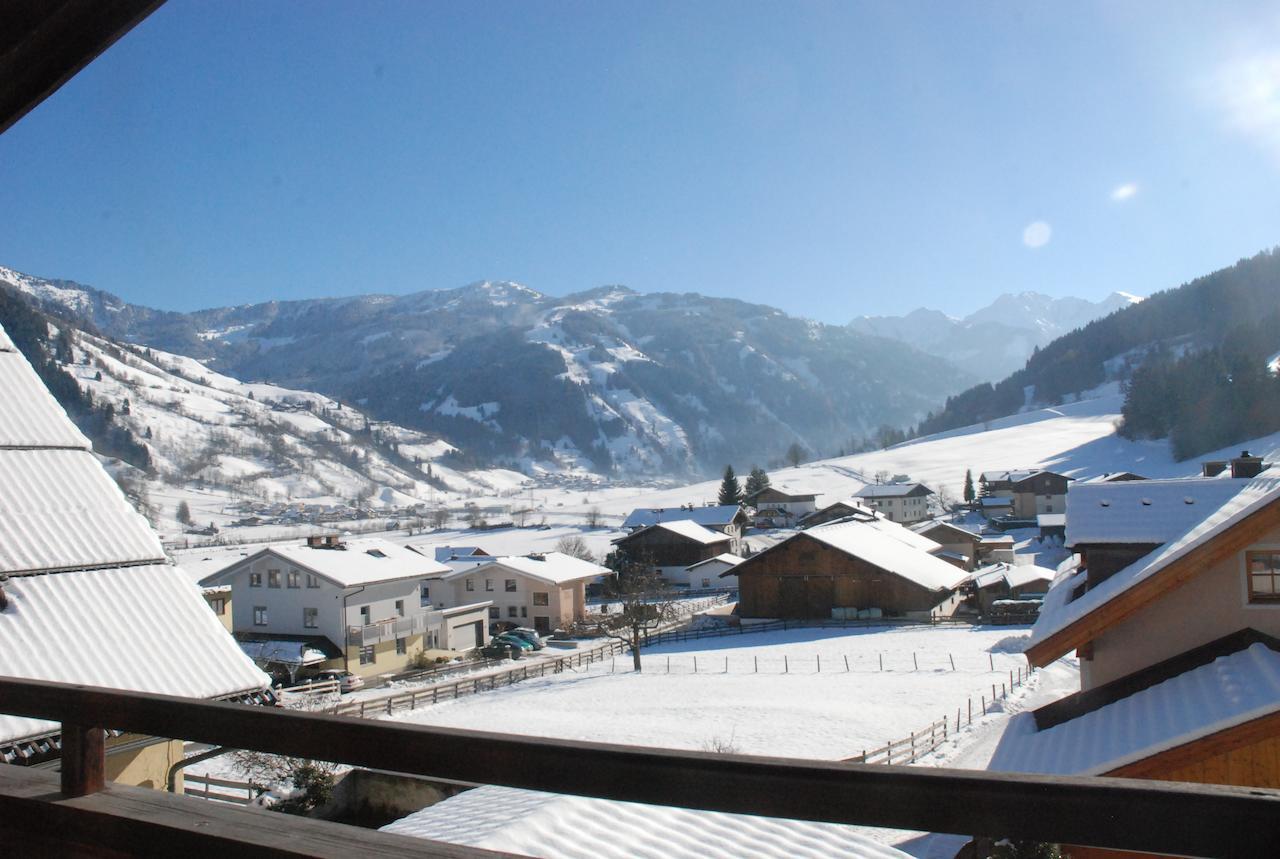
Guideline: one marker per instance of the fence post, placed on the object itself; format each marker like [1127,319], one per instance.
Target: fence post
[1010,679]
[846,663]
[756,659]
[984,706]
[695,665]
[726,665]
[914,661]
[84,760]
[819,658]
[786,666]
[881,661]
[970,711]
[993,695]
[953,661]
[991,660]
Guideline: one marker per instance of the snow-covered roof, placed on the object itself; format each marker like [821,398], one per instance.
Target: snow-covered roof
[882,548]
[144,629]
[1060,611]
[1013,575]
[446,553]
[554,568]
[556,826]
[358,562]
[723,558]
[1143,511]
[31,417]
[930,524]
[93,600]
[1227,692]
[6,345]
[1016,475]
[684,528]
[1051,520]
[892,490]
[720,515]
[60,510]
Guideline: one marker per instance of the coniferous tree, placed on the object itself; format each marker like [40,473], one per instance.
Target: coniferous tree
[757,481]
[968,486]
[730,490]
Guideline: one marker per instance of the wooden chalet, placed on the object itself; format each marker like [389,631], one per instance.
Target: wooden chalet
[954,539]
[673,547]
[838,510]
[1180,662]
[849,565]
[775,508]
[1032,490]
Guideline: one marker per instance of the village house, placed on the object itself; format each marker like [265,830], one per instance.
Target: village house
[728,519]
[873,567]
[1005,581]
[1180,662]
[1032,491]
[363,603]
[957,541]
[775,508]
[714,572]
[834,512]
[670,548]
[86,594]
[903,503]
[545,591]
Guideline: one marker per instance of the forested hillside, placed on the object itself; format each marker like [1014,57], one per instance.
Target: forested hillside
[1200,351]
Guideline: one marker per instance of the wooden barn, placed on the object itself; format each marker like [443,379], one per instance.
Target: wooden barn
[850,565]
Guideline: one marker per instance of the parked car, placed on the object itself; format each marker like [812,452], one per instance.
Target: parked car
[528,635]
[347,682]
[514,640]
[498,650]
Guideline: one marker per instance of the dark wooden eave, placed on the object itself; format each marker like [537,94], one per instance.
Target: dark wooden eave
[44,43]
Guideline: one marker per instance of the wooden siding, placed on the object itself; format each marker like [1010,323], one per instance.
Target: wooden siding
[1247,755]
[665,548]
[806,578]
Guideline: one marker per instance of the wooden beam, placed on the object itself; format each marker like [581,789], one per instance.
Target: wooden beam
[44,43]
[84,759]
[124,821]
[1123,814]
[1225,544]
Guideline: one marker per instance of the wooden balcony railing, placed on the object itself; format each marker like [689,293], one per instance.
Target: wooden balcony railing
[1160,817]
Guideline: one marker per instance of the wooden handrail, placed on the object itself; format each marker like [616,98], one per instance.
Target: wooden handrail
[1126,814]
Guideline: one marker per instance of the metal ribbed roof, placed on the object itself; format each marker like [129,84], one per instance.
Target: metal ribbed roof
[60,510]
[143,629]
[30,416]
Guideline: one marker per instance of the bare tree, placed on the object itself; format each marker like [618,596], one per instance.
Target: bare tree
[796,454]
[646,604]
[576,547]
[439,517]
[594,517]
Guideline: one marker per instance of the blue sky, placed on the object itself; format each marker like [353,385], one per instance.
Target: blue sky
[832,159]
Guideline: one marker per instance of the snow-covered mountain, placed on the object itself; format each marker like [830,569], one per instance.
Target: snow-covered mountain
[608,380]
[997,339]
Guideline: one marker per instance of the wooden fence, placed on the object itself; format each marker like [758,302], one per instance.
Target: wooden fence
[911,747]
[204,786]
[775,625]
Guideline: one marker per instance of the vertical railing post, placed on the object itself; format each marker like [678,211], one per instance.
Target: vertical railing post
[84,760]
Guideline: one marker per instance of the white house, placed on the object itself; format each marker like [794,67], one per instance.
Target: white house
[713,572]
[903,503]
[545,591]
[366,603]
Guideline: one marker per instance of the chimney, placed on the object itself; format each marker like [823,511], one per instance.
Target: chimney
[1212,467]
[1245,465]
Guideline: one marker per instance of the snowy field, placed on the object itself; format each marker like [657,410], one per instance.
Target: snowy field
[773,700]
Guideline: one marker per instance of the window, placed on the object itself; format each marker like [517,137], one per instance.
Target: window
[255,580]
[471,585]
[424,595]
[494,612]
[540,599]
[488,584]
[273,578]
[311,618]
[364,615]
[808,557]
[218,604]
[368,656]
[706,583]
[1264,576]
[511,611]
[313,581]
[401,647]
[292,579]
[510,585]
[524,611]
[400,608]
[259,615]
